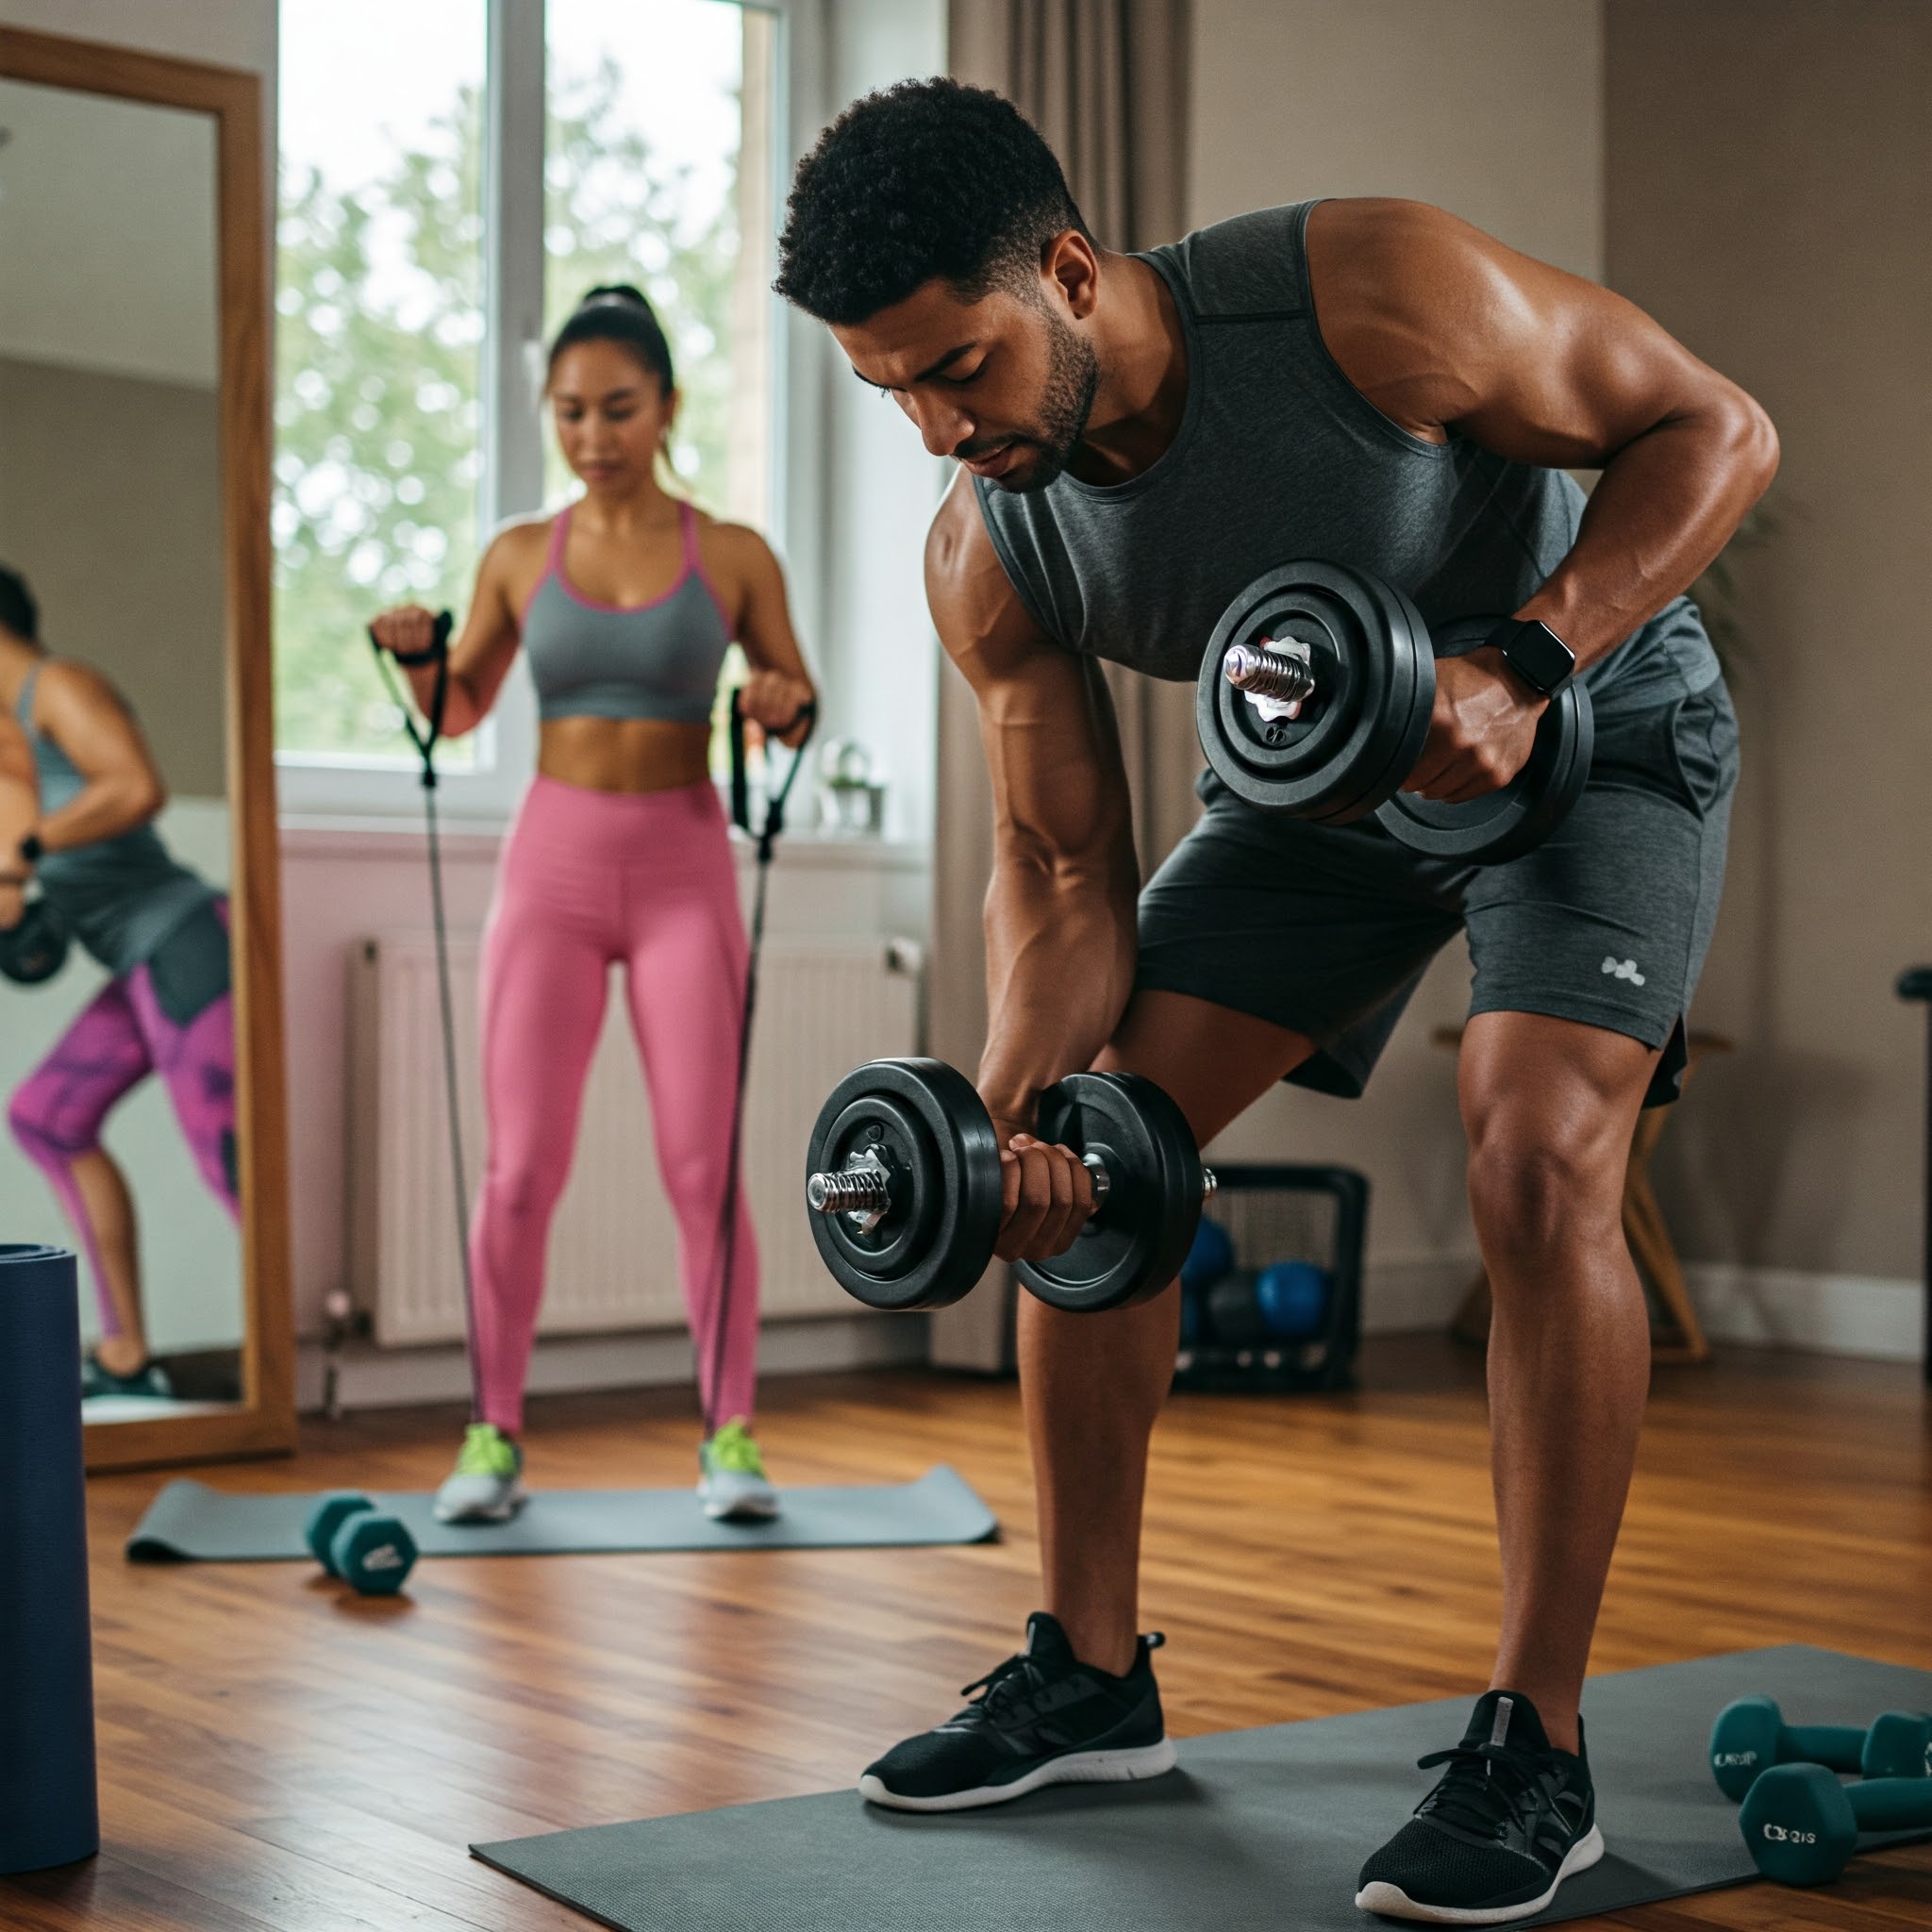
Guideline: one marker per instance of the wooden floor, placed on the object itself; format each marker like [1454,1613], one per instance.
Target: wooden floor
[275,1754]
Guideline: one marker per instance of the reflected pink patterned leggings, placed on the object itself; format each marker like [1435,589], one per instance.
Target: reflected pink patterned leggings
[588,879]
[121,1037]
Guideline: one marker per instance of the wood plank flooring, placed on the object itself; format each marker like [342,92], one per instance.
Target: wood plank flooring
[277,1755]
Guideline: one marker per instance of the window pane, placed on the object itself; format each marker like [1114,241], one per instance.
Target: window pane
[658,172]
[379,348]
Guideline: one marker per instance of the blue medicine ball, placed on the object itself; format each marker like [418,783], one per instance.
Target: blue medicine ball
[1293,1297]
[1210,1259]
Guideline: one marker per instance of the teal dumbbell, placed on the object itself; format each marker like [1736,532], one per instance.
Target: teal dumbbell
[1899,1744]
[1802,1826]
[1751,1736]
[353,1540]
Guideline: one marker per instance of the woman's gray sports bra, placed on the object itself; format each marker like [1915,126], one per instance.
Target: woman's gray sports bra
[658,660]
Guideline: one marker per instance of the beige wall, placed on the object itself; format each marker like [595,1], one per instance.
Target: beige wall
[1770,200]
[110,506]
[1297,98]
[1492,109]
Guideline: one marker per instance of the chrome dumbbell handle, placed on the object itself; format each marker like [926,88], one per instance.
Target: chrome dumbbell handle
[862,1188]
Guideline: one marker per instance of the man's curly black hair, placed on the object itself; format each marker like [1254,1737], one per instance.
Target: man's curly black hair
[927,178]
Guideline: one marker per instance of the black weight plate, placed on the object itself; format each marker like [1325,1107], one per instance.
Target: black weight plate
[1357,629]
[1185,1176]
[1135,1244]
[933,1131]
[1407,710]
[883,1125]
[1517,817]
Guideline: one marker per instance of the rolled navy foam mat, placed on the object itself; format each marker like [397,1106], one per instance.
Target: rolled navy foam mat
[49,1813]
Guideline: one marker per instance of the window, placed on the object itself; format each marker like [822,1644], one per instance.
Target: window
[441,209]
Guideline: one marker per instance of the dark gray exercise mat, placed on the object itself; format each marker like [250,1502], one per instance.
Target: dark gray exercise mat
[1262,1828]
[187,1521]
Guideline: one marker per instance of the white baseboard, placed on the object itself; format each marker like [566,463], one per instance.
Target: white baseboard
[1874,1316]
[370,1377]
[1822,1314]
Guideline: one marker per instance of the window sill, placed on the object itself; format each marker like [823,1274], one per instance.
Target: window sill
[331,835]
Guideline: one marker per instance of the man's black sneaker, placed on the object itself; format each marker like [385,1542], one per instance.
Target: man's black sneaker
[1041,1718]
[1510,1819]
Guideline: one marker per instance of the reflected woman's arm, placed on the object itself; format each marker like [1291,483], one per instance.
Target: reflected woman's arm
[19,806]
[84,715]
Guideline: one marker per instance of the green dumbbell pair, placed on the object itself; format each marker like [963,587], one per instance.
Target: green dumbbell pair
[1750,1737]
[353,1540]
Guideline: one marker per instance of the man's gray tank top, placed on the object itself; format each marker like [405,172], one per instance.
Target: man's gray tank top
[121,897]
[1279,456]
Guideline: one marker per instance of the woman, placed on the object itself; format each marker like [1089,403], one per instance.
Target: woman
[624,604]
[161,932]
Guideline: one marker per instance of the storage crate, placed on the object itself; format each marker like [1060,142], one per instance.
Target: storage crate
[1287,1213]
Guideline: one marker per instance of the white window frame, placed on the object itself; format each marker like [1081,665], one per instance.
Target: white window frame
[329,787]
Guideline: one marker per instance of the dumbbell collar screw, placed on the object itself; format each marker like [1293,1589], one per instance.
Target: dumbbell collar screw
[862,1191]
[1276,676]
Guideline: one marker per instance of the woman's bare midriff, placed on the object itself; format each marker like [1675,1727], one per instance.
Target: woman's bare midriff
[624,753]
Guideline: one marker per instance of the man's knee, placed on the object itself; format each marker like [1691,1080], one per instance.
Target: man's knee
[1535,1189]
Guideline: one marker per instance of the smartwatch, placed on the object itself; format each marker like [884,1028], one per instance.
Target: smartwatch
[30,849]
[1534,653]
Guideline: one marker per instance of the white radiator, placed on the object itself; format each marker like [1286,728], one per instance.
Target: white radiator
[823,1005]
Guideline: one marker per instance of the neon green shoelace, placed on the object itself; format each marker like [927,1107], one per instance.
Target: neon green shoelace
[486,1451]
[733,1448]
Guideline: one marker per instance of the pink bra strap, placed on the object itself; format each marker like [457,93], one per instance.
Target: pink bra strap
[688,521]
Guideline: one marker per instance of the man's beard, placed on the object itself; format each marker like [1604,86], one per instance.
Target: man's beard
[1072,380]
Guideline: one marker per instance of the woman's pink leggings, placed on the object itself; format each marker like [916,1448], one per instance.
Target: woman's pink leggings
[589,878]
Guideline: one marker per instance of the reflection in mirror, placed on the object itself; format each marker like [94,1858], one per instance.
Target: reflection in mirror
[117,1050]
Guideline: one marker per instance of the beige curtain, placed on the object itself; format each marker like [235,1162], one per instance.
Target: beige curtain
[1105,82]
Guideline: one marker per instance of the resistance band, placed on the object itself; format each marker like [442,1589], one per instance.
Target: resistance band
[426,743]
[767,836]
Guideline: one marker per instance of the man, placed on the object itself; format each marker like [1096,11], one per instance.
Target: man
[1379,383]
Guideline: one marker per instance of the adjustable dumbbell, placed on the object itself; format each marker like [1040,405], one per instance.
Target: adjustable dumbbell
[351,1539]
[1314,699]
[1751,1736]
[34,947]
[903,1187]
[1802,1826]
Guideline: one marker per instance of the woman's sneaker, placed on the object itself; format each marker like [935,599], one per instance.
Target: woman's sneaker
[732,1483]
[487,1484]
[1510,1819]
[149,1379]
[1041,1718]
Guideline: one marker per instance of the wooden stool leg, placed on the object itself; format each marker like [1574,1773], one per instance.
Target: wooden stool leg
[1680,1336]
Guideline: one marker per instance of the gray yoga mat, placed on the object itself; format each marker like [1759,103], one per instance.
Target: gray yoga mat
[1262,1828]
[187,1521]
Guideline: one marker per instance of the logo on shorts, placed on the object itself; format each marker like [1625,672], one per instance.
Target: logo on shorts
[1623,969]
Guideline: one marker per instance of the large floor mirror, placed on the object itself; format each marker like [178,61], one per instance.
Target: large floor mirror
[140,1044]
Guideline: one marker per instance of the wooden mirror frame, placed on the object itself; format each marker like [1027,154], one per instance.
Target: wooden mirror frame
[264,1422]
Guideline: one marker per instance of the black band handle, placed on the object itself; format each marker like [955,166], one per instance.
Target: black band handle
[438,653]
[807,714]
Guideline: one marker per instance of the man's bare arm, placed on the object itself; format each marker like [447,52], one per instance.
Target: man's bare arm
[1059,906]
[1444,328]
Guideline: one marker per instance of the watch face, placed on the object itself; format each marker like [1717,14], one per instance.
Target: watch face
[1539,655]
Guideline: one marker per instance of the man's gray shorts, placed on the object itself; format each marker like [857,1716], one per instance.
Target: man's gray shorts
[1327,929]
